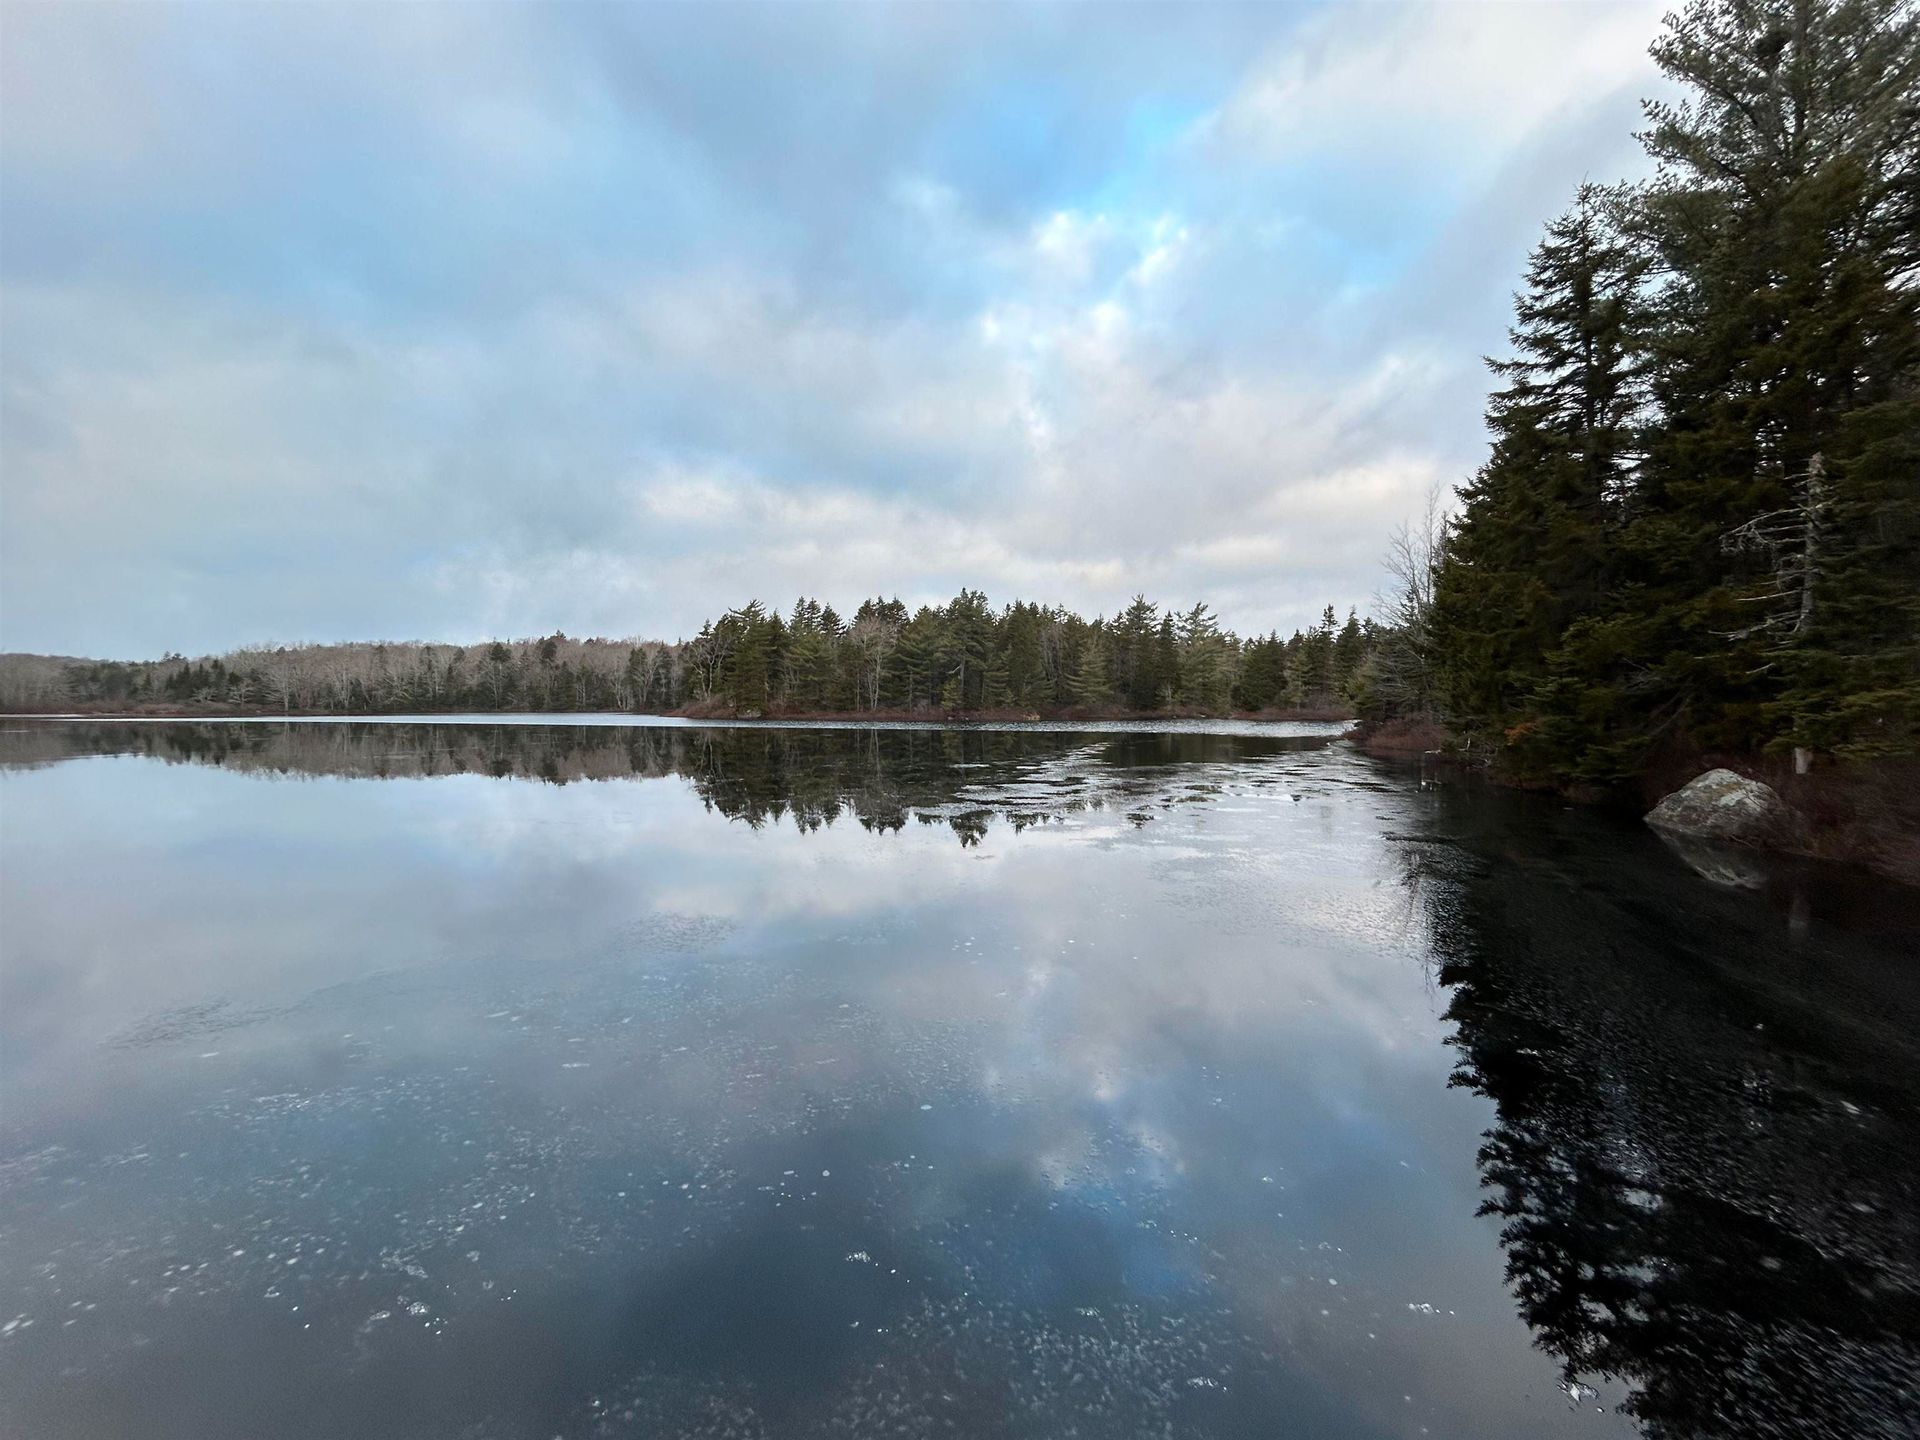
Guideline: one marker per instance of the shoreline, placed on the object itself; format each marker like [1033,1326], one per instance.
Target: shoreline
[1864,813]
[702,715]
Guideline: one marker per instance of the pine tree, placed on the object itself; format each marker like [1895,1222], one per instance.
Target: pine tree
[1263,675]
[967,640]
[804,671]
[916,656]
[1166,664]
[997,693]
[1312,668]
[1536,547]
[1205,678]
[751,638]
[1787,212]
[1091,686]
[1700,520]
[1349,648]
[1026,664]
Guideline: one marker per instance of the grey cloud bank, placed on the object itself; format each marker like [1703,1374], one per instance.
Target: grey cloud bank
[448,321]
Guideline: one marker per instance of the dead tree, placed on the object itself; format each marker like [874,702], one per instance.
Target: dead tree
[1788,541]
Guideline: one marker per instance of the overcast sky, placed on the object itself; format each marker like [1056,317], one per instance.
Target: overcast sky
[442,321]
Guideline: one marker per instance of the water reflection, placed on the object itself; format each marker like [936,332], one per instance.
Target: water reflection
[879,778]
[1703,1154]
[732,1097]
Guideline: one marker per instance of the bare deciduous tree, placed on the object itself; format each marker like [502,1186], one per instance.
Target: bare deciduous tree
[1401,669]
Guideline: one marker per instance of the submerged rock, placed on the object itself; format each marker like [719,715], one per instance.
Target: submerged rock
[1721,805]
[1735,866]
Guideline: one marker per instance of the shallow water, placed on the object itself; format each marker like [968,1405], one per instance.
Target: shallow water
[479,1080]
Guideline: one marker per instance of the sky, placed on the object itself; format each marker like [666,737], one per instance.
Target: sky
[444,321]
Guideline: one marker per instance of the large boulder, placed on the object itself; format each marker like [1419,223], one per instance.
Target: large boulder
[1730,808]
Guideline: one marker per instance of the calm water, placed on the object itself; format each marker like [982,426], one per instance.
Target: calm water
[476,1081]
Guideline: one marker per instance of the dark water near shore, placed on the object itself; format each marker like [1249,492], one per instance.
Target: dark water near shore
[486,1081]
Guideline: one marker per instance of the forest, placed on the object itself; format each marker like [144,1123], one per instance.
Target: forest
[1697,530]
[964,657]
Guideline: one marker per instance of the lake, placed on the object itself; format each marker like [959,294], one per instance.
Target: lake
[497,1080]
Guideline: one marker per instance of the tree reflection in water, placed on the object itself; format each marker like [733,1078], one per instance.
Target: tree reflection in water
[1708,1116]
[878,778]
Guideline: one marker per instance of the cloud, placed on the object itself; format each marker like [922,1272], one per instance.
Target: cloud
[1444,76]
[335,322]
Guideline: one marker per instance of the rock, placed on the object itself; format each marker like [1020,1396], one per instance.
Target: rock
[1721,805]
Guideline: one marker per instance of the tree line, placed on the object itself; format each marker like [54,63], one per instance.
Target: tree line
[964,657]
[1698,526]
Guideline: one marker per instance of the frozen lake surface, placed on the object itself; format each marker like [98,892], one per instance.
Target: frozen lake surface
[479,1080]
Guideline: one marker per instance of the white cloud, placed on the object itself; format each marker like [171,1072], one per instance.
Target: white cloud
[1067,242]
[1437,74]
[1167,240]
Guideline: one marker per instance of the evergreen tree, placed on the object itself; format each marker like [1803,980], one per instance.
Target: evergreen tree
[1026,663]
[805,666]
[1136,671]
[1699,523]
[1091,685]
[1787,214]
[917,678]
[499,674]
[1263,674]
[967,642]
[1166,663]
[1536,546]
[749,637]
[1310,668]
[997,692]
[1349,649]
[1204,675]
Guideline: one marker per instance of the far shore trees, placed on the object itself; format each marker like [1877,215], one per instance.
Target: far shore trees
[964,657]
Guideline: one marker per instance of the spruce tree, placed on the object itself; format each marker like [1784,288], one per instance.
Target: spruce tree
[1090,686]
[1535,549]
[1787,214]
